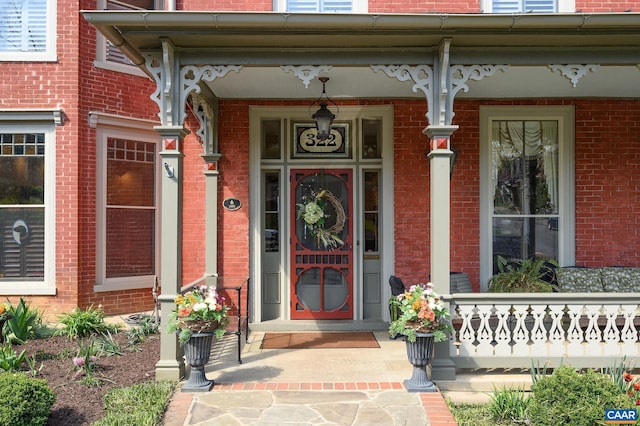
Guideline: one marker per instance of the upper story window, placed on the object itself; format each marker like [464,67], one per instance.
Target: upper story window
[109,56]
[27,30]
[322,6]
[528,6]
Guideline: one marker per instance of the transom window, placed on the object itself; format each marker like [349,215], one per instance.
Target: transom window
[27,30]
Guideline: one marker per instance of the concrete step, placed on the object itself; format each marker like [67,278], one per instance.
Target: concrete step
[477,388]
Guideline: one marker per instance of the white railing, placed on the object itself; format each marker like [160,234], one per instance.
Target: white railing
[501,330]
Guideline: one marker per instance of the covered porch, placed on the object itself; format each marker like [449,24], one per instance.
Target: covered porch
[198,59]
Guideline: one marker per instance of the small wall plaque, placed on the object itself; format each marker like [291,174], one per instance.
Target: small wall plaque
[231,204]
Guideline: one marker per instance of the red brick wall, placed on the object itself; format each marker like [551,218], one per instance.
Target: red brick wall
[603,6]
[607,194]
[607,184]
[606,213]
[424,6]
[225,5]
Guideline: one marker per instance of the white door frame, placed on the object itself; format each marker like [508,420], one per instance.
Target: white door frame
[387,243]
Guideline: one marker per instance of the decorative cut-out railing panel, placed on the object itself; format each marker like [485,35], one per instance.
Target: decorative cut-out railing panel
[510,330]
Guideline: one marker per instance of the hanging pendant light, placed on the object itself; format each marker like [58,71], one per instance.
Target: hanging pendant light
[323,116]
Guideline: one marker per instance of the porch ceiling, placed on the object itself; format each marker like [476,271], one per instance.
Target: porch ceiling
[261,42]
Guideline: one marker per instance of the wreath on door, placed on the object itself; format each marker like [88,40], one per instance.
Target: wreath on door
[312,212]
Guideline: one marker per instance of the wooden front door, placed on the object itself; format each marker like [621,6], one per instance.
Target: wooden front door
[321,244]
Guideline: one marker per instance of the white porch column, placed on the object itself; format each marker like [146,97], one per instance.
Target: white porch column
[442,367]
[171,364]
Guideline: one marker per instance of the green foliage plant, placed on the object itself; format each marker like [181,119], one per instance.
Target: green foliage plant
[106,345]
[84,322]
[24,401]
[142,405]
[571,398]
[509,404]
[10,360]
[22,323]
[137,334]
[85,361]
[525,276]
[538,372]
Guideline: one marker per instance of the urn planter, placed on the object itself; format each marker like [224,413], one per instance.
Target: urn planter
[420,354]
[197,351]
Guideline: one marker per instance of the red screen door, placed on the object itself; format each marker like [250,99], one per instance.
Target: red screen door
[321,244]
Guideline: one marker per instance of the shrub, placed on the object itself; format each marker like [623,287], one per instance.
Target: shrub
[22,323]
[569,398]
[84,322]
[24,401]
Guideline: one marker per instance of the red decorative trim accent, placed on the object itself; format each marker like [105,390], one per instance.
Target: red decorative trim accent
[440,143]
[211,166]
[170,143]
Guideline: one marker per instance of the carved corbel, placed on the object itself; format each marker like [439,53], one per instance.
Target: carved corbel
[191,75]
[205,114]
[574,72]
[420,75]
[161,66]
[306,73]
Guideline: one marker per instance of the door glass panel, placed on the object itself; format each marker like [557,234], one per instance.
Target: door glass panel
[272,211]
[270,140]
[321,218]
[524,158]
[371,139]
[371,211]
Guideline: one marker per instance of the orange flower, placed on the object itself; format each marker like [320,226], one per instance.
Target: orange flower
[627,377]
[2,309]
[184,312]
[636,386]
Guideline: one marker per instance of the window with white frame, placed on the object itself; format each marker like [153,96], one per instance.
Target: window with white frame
[127,205]
[528,6]
[527,186]
[109,56]
[322,6]
[28,30]
[27,205]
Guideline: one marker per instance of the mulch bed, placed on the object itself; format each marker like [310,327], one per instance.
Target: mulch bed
[79,404]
